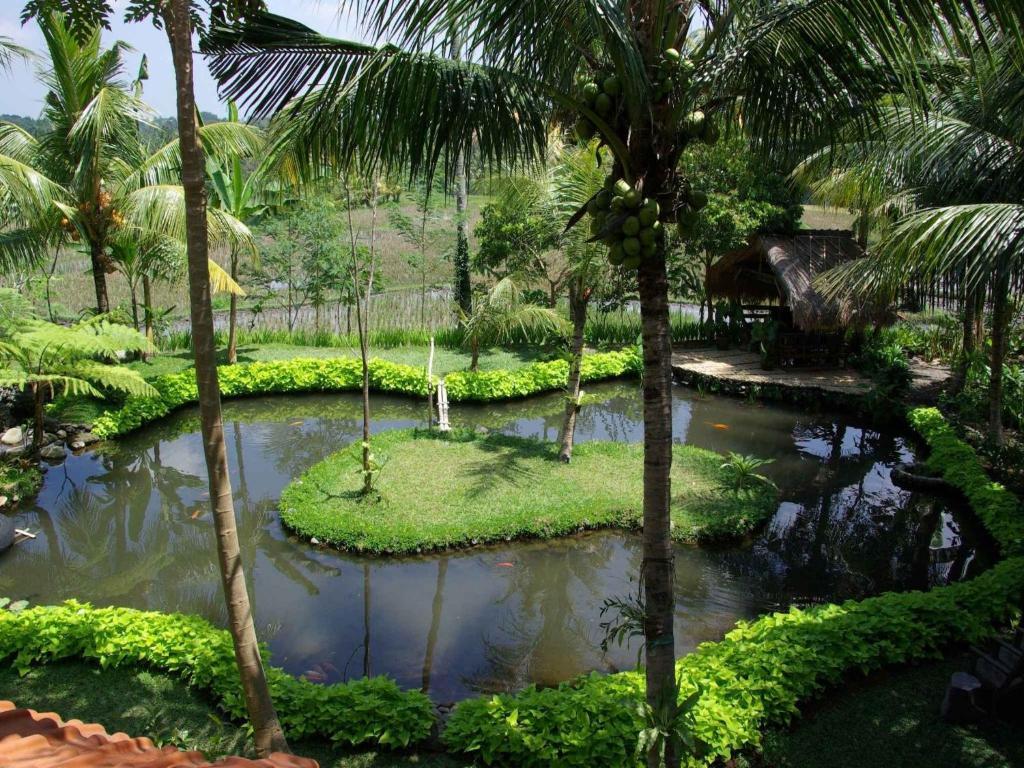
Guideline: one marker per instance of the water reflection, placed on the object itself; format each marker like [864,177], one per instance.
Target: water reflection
[128,524]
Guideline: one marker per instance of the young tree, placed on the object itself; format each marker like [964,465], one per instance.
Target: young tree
[788,73]
[416,233]
[577,178]
[502,316]
[362,268]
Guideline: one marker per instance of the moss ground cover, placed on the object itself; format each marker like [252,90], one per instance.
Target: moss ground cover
[143,702]
[438,491]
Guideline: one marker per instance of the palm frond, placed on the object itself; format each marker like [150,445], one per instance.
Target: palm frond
[966,239]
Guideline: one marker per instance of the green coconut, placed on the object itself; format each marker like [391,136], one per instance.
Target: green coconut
[647,236]
[631,262]
[631,246]
[616,254]
[590,91]
[603,104]
[649,213]
[622,187]
[672,56]
[612,86]
[631,226]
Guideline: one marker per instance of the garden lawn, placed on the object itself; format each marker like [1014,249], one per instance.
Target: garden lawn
[892,720]
[144,703]
[436,492]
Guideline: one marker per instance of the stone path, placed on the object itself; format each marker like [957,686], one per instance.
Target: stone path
[744,367]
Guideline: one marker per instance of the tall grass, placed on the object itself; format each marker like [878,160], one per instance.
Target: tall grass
[602,330]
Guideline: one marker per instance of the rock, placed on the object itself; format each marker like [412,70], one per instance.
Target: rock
[49,437]
[53,452]
[13,436]
[3,501]
[86,438]
[960,702]
[61,433]
[314,540]
[76,445]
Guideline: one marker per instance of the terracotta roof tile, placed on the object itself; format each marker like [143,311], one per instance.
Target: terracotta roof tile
[30,739]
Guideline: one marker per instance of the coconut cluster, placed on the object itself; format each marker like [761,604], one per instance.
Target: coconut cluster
[626,222]
[672,72]
[602,96]
[692,201]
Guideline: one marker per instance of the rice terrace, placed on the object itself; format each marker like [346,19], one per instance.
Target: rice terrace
[461,382]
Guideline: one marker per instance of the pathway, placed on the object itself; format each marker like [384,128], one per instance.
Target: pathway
[744,368]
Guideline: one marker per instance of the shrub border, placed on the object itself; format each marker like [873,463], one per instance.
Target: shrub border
[344,374]
[367,711]
[759,672]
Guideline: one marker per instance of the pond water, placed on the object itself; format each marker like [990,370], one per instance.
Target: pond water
[128,524]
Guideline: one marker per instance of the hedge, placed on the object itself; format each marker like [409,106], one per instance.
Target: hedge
[343,374]
[366,711]
[759,672]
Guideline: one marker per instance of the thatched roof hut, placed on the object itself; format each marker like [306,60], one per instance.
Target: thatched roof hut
[780,270]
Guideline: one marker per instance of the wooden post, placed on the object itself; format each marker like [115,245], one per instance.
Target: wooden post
[442,407]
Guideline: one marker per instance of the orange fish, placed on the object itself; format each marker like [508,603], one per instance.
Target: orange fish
[505,565]
[720,426]
[197,513]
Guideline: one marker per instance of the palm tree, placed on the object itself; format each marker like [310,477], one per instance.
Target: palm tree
[790,73]
[268,734]
[577,179]
[92,117]
[245,197]
[957,175]
[503,316]
[47,359]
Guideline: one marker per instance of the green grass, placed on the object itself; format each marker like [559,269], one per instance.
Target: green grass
[436,492]
[820,217]
[892,721]
[143,703]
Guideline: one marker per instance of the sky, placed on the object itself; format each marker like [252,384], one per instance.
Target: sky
[21,94]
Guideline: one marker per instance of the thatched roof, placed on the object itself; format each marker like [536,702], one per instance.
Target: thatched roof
[780,269]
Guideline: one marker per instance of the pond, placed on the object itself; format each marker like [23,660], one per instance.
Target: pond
[128,524]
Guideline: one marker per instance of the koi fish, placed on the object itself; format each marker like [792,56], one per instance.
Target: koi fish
[197,513]
[314,677]
[718,425]
[505,565]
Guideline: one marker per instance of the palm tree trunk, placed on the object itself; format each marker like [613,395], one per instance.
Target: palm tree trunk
[1000,324]
[967,352]
[233,314]
[658,570]
[147,312]
[267,732]
[463,289]
[578,310]
[133,292]
[99,276]
[474,362]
